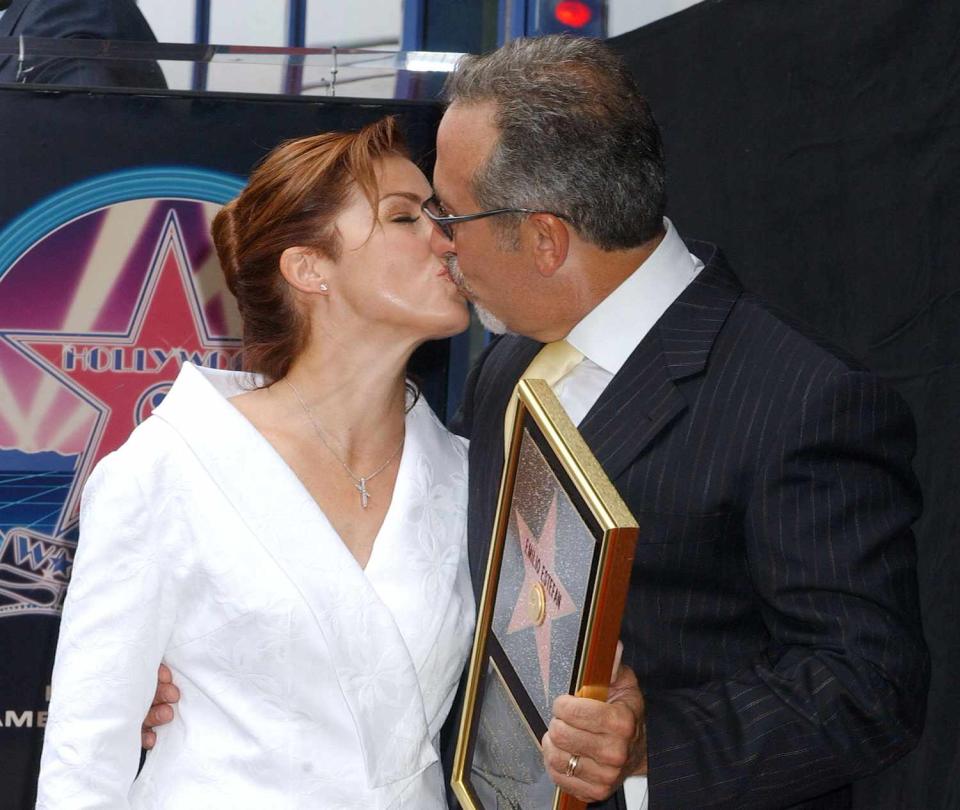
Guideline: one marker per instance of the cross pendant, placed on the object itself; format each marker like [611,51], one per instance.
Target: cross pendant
[364,495]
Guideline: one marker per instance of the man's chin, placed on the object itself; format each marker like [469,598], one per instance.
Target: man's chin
[490,321]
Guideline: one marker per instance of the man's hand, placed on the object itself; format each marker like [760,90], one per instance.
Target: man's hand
[609,738]
[161,711]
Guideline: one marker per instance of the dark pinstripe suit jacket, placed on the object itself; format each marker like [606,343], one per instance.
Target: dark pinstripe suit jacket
[772,618]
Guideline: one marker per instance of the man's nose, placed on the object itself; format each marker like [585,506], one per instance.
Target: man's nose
[440,244]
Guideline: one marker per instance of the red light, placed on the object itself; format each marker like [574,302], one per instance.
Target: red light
[573,14]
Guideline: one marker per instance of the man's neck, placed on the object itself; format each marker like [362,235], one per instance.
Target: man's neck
[596,273]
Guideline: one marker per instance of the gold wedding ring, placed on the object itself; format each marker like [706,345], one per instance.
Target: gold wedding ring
[572,765]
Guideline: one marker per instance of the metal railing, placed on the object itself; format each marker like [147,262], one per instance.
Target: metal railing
[288,70]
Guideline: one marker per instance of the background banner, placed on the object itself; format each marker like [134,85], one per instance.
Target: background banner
[108,283]
[818,143]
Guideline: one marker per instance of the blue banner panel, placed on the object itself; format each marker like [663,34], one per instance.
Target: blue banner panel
[108,283]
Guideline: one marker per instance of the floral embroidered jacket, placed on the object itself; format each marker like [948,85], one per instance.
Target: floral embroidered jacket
[306,681]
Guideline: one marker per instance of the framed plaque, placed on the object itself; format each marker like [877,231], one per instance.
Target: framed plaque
[553,597]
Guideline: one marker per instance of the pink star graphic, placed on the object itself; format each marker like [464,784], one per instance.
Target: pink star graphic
[124,376]
[540,582]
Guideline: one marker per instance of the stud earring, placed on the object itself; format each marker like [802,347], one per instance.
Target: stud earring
[323,286]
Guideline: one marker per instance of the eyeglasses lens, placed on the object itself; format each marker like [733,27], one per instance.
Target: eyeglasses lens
[434,208]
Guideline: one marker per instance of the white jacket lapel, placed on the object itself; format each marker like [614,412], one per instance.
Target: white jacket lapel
[376,674]
[415,562]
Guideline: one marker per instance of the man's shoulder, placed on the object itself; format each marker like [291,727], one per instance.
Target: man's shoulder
[787,364]
[757,327]
[782,337]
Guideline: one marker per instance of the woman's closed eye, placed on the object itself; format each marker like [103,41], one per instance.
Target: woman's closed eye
[405,218]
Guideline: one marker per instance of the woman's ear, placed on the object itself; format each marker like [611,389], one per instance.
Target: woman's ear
[304,270]
[551,242]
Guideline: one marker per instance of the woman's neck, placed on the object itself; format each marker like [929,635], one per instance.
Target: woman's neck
[354,390]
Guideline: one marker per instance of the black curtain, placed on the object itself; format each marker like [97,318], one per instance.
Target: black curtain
[818,142]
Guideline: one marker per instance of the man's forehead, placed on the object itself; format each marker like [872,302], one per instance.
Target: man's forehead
[448,187]
[449,182]
[468,123]
[465,136]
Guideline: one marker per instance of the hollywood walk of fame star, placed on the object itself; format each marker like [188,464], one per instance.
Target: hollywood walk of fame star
[543,599]
[117,373]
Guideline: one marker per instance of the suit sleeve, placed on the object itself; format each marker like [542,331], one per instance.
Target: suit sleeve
[841,689]
[118,615]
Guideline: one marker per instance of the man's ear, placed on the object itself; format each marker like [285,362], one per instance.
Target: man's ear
[304,270]
[551,242]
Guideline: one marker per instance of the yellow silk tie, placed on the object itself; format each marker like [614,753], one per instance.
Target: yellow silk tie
[552,362]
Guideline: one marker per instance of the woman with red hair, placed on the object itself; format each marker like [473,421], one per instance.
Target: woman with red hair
[289,539]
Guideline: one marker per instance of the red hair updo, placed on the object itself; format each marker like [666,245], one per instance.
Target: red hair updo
[292,199]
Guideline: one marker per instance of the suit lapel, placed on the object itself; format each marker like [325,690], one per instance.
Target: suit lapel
[377,676]
[511,359]
[498,376]
[643,398]
[640,402]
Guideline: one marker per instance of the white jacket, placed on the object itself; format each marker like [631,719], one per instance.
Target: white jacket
[306,681]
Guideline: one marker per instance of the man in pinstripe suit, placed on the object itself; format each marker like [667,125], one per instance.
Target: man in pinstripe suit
[772,642]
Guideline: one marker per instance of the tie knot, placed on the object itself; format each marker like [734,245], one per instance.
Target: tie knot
[553,361]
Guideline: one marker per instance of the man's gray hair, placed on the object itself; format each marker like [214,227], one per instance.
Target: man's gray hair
[576,138]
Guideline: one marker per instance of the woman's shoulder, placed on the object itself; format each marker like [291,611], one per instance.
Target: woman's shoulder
[197,394]
[153,437]
[151,449]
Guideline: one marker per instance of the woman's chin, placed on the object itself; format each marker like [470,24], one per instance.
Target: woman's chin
[463,318]
[449,326]
[455,328]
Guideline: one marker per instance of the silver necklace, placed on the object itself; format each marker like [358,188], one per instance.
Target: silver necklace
[359,481]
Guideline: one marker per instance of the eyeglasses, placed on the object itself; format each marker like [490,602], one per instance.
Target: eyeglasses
[434,211]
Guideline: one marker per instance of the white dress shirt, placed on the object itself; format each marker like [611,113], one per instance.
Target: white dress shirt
[607,336]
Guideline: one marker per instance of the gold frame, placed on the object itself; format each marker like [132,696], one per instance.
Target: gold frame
[536,401]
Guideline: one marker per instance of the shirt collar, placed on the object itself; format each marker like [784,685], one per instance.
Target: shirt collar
[608,334]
